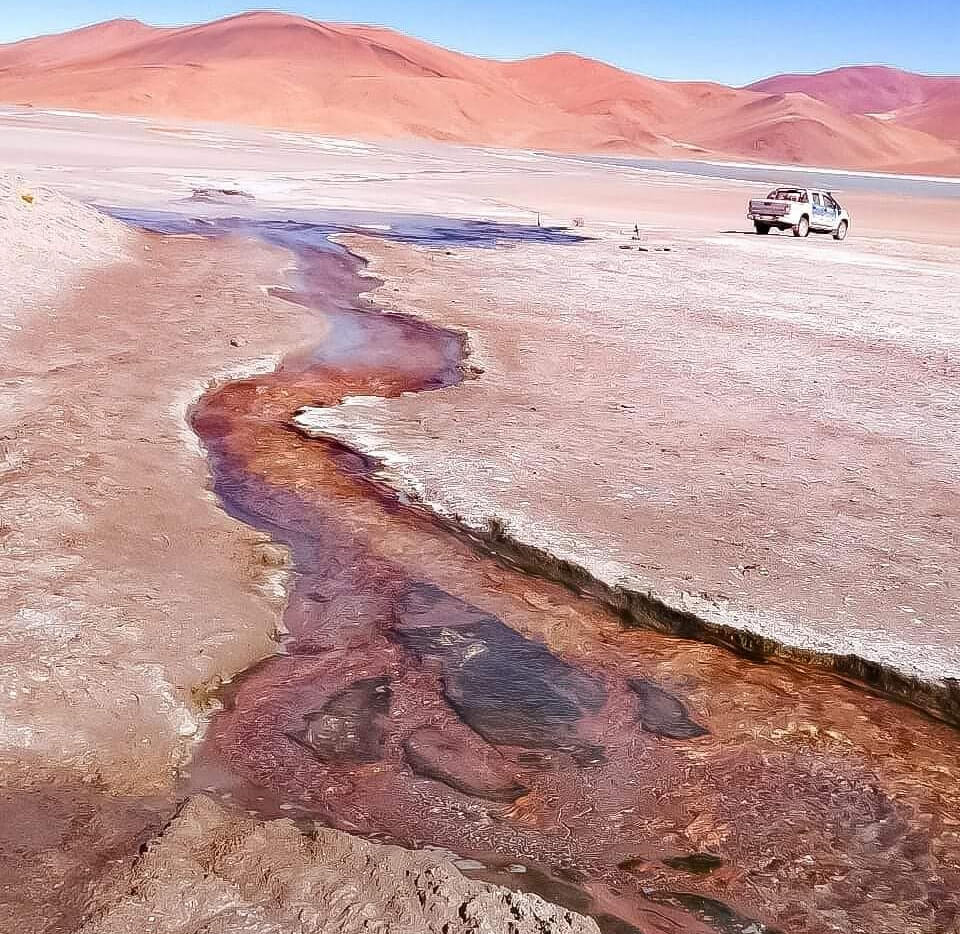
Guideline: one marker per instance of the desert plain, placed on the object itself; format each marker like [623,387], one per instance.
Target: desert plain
[527,420]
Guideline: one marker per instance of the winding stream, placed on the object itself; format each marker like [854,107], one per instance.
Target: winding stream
[428,694]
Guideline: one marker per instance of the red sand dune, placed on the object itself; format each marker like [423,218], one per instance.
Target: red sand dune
[930,103]
[859,89]
[272,69]
[939,115]
[791,127]
[90,41]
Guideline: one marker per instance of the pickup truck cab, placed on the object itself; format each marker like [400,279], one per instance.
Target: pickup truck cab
[801,210]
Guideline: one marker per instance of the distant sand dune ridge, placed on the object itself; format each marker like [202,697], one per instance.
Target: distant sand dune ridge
[279,70]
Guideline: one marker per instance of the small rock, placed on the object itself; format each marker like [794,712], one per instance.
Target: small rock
[460,759]
[697,863]
[663,714]
[536,601]
[351,726]
[273,556]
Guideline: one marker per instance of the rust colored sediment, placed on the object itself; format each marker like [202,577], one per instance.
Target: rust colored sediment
[431,695]
[940,699]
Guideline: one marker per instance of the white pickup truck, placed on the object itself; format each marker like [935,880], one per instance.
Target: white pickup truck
[800,210]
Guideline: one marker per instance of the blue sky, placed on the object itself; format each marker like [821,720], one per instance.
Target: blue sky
[719,40]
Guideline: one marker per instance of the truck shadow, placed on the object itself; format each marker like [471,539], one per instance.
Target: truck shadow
[752,233]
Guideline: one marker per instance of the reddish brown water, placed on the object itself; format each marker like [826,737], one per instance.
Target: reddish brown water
[430,695]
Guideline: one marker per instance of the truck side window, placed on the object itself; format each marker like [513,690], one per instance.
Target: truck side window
[816,200]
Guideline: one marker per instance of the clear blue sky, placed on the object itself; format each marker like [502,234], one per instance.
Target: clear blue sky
[666,38]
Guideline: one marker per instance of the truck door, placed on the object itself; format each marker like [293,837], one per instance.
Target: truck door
[820,213]
[833,211]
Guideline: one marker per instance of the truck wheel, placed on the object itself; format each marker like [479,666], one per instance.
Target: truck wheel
[802,228]
[841,232]
[761,228]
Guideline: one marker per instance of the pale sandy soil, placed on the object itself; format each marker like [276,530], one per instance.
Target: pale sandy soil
[756,430]
[32,220]
[109,603]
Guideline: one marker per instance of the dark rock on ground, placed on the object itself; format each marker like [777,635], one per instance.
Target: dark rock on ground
[697,863]
[663,714]
[220,195]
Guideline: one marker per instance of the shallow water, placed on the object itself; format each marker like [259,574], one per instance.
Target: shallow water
[312,229]
[427,694]
[771,175]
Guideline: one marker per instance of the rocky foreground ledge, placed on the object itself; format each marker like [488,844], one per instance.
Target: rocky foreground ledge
[217,872]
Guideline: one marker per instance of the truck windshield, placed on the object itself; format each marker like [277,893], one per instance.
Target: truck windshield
[788,194]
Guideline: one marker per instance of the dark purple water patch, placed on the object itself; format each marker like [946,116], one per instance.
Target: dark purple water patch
[351,726]
[312,230]
[510,690]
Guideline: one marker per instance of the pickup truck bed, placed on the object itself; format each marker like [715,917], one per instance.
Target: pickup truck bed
[769,208]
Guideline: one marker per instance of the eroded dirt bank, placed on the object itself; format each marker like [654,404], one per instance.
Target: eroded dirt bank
[429,695]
